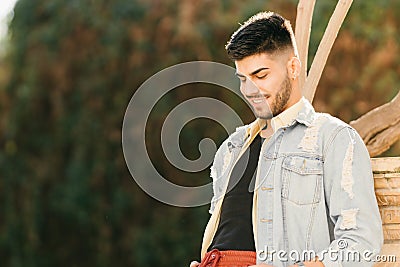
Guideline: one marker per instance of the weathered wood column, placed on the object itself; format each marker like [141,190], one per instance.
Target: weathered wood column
[387,189]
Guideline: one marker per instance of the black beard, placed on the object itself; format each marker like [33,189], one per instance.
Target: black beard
[282,97]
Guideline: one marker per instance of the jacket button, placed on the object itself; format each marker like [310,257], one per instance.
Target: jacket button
[265,220]
[266,188]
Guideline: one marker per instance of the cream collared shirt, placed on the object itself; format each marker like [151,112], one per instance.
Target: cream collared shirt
[288,116]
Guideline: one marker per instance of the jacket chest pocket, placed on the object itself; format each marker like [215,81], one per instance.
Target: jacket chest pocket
[301,179]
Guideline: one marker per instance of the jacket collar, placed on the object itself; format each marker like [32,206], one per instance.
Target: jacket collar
[307,113]
[288,116]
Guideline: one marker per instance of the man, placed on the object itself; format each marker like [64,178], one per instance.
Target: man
[312,202]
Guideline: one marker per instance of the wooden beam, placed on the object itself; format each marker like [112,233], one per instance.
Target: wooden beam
[384,140]
[380,128]
[305,10]
[325,47]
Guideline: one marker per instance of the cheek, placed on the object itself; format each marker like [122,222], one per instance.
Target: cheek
[241,87]
[269,85]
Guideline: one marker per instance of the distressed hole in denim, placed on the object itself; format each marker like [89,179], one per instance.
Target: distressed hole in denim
[349,219]
[227,160]
[213,173]
[309,143]
[347,170]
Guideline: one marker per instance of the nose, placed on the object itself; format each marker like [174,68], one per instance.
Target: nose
[248,87]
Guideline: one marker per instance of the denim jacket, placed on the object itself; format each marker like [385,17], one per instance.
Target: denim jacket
[314,192]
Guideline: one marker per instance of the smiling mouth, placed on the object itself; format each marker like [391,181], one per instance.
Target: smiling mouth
[258,99]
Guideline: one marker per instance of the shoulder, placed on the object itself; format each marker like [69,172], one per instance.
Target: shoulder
[337,133]
[328,120]
[328,125]
[325,130]
[234,140]
[237,138]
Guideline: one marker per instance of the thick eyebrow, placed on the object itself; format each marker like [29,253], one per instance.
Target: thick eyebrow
[258,70]
[253,73]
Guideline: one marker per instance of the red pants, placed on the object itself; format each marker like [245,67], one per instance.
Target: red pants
[228,258]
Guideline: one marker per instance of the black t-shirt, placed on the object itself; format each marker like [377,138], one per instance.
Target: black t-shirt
[235,228]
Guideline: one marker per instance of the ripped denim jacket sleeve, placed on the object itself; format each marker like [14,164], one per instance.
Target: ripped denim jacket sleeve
[351,201]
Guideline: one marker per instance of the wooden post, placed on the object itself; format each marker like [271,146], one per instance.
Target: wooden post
[305,10]
[325,47]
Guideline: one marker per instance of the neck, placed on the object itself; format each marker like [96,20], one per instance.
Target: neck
[267,131]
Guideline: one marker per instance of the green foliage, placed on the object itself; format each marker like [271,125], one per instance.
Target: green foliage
[66,196]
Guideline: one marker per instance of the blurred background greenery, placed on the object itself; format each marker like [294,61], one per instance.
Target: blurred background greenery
[68,71]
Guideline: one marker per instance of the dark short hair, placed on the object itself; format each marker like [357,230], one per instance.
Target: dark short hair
[263,32]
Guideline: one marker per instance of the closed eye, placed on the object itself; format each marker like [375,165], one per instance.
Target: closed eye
[261,73]
[261,76]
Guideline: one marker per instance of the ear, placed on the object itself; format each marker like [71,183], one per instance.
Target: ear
[294,67]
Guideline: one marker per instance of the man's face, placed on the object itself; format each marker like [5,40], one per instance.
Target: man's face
[265,83]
